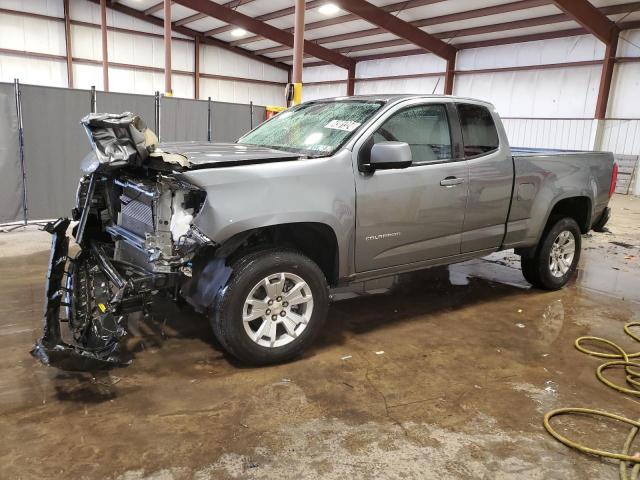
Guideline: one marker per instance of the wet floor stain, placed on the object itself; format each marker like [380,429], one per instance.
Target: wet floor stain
[444,376]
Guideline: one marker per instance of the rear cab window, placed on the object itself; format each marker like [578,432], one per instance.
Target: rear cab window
[479,132]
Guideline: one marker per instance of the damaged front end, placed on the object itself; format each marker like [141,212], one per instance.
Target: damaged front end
[136,237]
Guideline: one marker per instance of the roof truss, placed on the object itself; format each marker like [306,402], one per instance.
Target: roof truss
[592,20]
[191,33]
[402,29]
[583,12]
[264,29]
[392,7]
[425,22]
[483,29]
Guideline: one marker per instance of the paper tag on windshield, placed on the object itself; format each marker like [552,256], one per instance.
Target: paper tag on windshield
[346,125]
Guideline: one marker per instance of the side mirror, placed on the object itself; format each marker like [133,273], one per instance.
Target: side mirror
[388,155]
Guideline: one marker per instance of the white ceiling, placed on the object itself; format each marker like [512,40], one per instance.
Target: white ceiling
[256,8]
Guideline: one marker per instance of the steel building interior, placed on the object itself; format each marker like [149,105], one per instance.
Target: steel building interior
[501,360]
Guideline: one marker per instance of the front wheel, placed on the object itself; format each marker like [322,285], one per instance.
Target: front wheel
[553,262]
[272,307]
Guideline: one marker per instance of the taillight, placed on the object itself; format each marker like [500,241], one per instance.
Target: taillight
[614,179]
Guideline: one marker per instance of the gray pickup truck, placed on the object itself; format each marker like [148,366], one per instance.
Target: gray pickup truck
[329,195]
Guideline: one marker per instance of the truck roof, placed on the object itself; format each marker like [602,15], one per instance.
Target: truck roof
[392,98]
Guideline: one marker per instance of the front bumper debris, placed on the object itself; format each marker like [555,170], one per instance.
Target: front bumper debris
[97,297]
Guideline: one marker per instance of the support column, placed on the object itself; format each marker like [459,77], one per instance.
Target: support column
[595,138]
[449,75]
[167,48]
[105,49]
[298,51]
[196,70]
[351,80]
[67,37]
[606,77]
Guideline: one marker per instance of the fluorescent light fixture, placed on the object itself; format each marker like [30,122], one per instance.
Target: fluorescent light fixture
[238,32]
[329,9]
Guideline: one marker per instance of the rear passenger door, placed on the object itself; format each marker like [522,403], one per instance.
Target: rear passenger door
[413,214]
[490,177]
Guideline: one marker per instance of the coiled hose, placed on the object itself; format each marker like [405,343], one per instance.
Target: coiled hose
[620,359]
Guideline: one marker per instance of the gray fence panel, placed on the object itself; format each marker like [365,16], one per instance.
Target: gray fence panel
[259,114]
[10,171]
[182,119]
[142,105]
[229,121]
[55,144]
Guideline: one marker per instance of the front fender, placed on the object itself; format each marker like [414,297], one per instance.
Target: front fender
[249,197]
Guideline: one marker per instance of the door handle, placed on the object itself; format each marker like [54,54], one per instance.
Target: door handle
[451,181]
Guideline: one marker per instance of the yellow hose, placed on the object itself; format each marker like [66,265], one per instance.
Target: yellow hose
[622,358]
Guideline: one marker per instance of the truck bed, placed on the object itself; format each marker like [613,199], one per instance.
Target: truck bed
[543,177]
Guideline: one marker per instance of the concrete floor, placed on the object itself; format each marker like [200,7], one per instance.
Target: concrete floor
[446,377]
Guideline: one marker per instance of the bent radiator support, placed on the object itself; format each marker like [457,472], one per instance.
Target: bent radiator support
[97,298]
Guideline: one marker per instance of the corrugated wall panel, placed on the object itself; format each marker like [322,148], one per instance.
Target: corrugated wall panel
[562,92]
[549,133]
[622,136]
[32,34]
[314,92]
[425,85]
[36,71]
[23,33]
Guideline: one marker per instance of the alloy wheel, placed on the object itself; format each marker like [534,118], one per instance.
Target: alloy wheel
[277,309]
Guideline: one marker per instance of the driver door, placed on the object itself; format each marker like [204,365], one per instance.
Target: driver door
[414,214]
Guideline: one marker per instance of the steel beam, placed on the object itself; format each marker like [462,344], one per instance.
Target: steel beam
[191,18]
[298,42]
[105,48]
[398,27]
[483,43]
[154,8]
[268,16]
[350,17]
[483,29]
[67,38]
[605,78]
[590,18]
[425,22]
[351,81]
[167,48]
[593,20]
[196,69]
[264,29]
[449,75]
[200,16]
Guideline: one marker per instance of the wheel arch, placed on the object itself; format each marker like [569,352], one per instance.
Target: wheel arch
[578,207]
[211,267]
[315,240]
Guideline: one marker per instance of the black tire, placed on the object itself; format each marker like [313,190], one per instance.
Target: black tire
[226,316]
[536,263]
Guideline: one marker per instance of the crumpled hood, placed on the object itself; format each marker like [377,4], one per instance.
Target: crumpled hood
[124,139]
[206,155]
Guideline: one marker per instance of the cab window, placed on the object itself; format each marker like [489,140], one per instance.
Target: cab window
[479,132]
[424,127]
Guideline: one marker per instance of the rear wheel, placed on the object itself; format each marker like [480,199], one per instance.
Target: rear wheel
[554,261]
[272,307]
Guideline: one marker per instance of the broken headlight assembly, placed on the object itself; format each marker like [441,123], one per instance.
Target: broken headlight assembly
[137,239]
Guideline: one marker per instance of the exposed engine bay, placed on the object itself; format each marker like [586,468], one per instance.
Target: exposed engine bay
[134,228]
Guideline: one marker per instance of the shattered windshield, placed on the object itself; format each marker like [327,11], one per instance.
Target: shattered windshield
[314,129]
